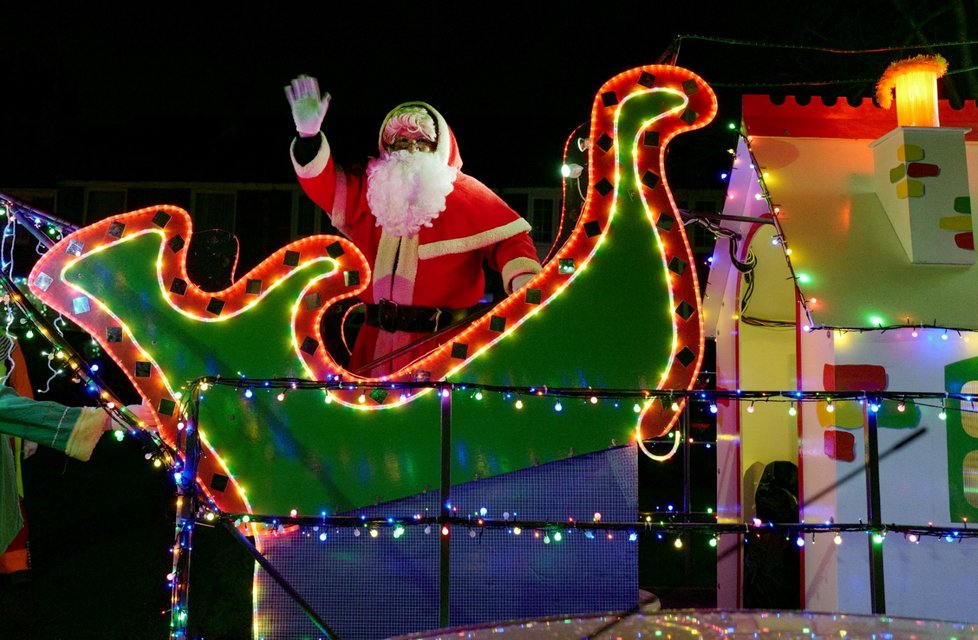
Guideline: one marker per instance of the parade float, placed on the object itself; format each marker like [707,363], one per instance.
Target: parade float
[496,477]
[528,416]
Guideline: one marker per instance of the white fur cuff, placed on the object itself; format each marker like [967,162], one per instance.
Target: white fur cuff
[518,266]
[317,164]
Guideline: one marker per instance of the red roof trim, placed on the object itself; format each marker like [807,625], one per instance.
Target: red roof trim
[841,120]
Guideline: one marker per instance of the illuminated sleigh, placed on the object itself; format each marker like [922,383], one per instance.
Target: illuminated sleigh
[617,308]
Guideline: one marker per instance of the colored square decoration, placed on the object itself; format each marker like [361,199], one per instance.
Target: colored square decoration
[497,324]
[334,250]
[533,296]
[253,287]
[378,395]
[592,228]
[351,278]
[75,248]
[690,87]
[609,98]
[689,116]
[665,222]
[178,286]
[685,310]
[651,139]
[313,301]
[81,305]
[646,80]
[43,281]
[291,259]
[176,243]
[219,482]
[215,306]
[142,369]
[460,351]
[161,219]
[605,142]
[839,445]
[167,407]
[309,345]
[678,266]
[116,229]
[113,334]
[686,356]
[854,377]
[566,265]
[603,187]
[650,180]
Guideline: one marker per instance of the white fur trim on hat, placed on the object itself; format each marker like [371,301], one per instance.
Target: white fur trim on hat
[443,142]
[413,122]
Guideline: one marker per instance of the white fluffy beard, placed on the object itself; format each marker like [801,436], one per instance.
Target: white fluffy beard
[406,191]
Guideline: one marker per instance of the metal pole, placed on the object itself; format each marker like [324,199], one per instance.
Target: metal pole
[683,425]
[444,578]
[876,584]
[280,580]
[186,485]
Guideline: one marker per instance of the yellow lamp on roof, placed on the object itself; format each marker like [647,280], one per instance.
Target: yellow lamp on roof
[914,81]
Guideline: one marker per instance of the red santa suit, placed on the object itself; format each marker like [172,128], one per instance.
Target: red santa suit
[434,272]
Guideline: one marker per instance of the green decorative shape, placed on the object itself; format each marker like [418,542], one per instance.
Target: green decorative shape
[847,415]
[960,444]
[890,416]
[962,204]
[611,327]
[915,188]
[897,173]
[910,152]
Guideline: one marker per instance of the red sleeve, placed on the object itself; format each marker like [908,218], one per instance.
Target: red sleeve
[514,256]
[341,193]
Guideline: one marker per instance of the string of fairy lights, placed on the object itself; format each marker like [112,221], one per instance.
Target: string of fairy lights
[562,397]
[650,526]
[633,398]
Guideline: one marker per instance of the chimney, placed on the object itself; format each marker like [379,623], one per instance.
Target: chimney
[921,172]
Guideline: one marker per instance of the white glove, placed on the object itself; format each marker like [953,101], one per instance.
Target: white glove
[27,448]
[308,108]
[518,281]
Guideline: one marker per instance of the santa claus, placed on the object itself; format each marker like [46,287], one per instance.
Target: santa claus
[424,226]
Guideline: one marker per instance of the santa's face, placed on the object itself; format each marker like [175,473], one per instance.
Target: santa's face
[406,188]
[413,145]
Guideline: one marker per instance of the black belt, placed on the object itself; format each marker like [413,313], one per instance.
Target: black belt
[392,317]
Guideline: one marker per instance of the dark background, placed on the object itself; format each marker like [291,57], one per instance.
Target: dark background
[196,94]
[185,93]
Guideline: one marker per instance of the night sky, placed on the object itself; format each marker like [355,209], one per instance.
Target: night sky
[195,94]
[181,94]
